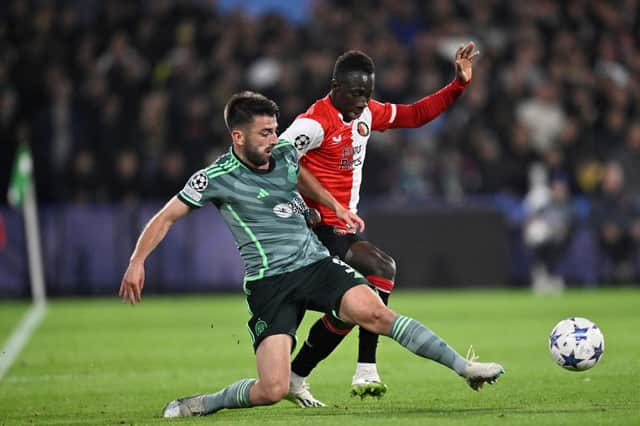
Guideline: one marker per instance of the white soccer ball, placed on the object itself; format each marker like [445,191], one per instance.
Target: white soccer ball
[576,344]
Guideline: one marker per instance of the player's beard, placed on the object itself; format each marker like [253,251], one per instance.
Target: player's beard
[256,157]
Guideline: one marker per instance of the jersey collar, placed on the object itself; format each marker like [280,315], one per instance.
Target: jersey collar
[272,163]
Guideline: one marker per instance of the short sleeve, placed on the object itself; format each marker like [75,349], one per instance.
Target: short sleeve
[382,115]
[304,134]
[197,191]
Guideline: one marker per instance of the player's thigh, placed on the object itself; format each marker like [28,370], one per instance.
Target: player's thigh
[370,260]
[328,282]
[361,305]
[273,359]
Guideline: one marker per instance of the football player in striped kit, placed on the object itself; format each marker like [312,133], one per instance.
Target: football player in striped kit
[331,138]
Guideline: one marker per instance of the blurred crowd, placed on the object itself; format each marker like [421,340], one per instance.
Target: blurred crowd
[121,100]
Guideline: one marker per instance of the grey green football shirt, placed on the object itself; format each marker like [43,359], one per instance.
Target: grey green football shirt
[263,209]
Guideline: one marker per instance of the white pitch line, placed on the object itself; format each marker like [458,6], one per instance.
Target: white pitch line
[20,336]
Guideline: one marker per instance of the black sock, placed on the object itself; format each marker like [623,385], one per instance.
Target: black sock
[367,341]
[320,343]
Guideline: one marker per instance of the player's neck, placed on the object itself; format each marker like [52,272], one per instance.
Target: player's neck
[342,115]
[244,160]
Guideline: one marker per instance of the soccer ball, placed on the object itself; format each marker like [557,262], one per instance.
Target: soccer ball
[576,344]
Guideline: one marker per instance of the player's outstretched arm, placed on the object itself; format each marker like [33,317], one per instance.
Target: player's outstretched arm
[310,187]
[426,109]
[153,232]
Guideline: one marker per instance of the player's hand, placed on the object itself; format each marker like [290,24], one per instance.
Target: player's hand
[132,283]
[464,62]
[353,222]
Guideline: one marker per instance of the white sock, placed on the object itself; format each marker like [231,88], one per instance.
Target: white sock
[296,381]
[366,369]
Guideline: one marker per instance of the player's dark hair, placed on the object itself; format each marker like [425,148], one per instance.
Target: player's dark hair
[242,107]
[353,60]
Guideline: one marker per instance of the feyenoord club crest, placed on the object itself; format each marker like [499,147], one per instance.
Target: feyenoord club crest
[363,129]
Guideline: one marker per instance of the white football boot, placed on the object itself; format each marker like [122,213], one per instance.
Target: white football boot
[185,407]
[366,382]
[476,374]
[300,394]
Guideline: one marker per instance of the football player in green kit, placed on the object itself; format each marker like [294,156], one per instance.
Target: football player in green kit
[287,270]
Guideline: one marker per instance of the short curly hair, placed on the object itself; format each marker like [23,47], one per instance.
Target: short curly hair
[353,60]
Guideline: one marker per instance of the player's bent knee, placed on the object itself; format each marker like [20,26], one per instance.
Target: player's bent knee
[377,320]
[370,260]
[382,265]
[386,267]
[275,391]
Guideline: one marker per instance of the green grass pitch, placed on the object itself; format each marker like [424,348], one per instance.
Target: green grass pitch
[96,361]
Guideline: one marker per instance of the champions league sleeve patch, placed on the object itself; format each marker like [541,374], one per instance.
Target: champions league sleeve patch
[301,142]
[196,185]
[199,181]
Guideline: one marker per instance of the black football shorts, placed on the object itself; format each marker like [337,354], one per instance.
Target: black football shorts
[278,303]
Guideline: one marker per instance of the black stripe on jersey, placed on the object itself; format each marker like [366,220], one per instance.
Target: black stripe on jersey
[187,202]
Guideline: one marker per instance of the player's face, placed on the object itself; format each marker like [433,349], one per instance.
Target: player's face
[259,138]
[352,95]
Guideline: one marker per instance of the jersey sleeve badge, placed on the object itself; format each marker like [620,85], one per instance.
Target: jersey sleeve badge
[301,142]
[196,186]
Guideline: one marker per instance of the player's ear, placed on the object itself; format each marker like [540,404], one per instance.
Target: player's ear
[237,136]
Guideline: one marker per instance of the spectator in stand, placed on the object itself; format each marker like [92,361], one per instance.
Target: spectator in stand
[616,220]
[629,159]
[547,228]
[543,116]
[58,134]
[126,183]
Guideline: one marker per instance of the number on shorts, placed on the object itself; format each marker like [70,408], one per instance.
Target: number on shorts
[347,268]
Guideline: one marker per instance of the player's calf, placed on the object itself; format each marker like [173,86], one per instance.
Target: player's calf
[236,395]
[422,341]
